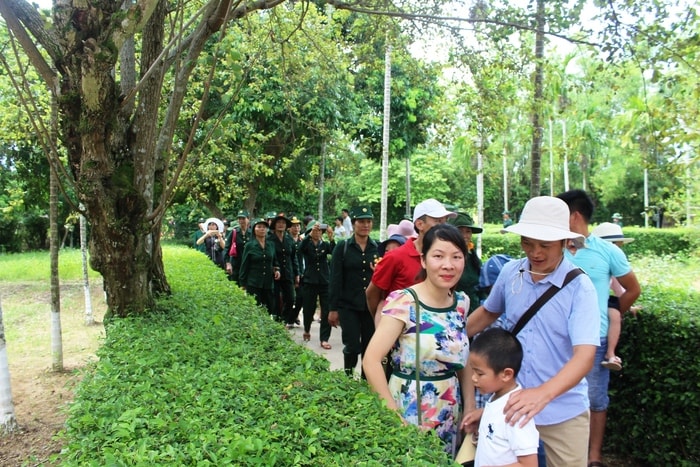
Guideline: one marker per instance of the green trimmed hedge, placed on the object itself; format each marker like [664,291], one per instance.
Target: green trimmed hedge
[208,379]
[656,242]
[654,412]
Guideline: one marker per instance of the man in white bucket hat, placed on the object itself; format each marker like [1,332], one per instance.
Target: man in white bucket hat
[601,260]
[560,339]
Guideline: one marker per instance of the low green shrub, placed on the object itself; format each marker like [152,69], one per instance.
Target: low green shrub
[654,412]
[208,379]
[655,242]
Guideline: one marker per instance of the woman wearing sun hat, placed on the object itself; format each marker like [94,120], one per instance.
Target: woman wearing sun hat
[559,341]
[213,240]
[612,233]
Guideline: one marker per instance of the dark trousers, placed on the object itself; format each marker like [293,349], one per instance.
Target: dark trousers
[263,297]
[311,292]
[357,329]
[299,299]
[284,293]
[235,265]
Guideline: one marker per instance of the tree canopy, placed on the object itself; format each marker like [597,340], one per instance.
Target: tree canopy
[225,104]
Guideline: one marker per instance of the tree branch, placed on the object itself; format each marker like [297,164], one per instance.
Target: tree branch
[19,14]
[447,19]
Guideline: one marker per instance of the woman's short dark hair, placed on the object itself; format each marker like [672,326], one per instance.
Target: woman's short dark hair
[446,233]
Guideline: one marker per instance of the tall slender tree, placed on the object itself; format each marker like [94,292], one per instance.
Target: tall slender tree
[8,420]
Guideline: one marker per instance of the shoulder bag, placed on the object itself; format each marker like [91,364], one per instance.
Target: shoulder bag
[544,298]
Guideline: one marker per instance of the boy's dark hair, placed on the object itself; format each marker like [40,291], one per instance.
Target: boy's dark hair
[500,348]
[579,201]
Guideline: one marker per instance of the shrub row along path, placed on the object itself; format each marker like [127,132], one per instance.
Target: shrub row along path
[40,395]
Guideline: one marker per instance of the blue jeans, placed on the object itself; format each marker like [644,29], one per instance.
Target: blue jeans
[598,379]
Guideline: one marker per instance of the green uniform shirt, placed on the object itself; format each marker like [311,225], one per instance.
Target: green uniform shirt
[286,255]
[469,282]
[351,273]
[317,269]
[241,239]
[257,265]
[195,237]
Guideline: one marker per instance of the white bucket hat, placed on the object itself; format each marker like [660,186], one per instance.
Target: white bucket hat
[611,232]
[432,208]
[544,218]
[219,224]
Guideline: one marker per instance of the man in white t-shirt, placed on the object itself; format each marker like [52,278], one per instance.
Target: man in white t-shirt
[347,223]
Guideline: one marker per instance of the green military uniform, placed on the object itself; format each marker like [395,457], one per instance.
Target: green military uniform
[195,236]
[299,299]
[241,237]
[257,270]
[351,273]
[289,270]
[469,282]
[316,279]
[507,221]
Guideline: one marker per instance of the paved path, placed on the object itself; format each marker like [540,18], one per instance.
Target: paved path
[334,355]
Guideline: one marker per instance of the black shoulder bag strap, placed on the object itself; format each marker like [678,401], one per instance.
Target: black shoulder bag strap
[549,293]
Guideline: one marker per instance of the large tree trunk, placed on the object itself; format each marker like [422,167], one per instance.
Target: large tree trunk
[112,161]
[119,137]
[537,129]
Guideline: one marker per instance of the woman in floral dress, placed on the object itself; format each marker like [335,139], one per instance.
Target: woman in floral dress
[444,346]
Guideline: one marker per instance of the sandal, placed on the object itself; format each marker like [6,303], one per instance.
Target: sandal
[614,363]
[326,345]
[307,336]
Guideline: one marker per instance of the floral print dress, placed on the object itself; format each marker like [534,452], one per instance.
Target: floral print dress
[444,349]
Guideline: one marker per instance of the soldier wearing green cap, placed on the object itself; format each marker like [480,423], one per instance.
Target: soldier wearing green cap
[469,282]
[235,243]
[289,268]
[507,221]
[259,267]
[352,265]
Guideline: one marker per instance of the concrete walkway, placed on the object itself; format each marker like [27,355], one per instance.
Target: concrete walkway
[334,355]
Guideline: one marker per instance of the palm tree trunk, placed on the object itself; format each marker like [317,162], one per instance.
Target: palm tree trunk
[537,130]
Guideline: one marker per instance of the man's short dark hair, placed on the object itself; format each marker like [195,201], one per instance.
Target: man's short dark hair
[579,201]
[500,348]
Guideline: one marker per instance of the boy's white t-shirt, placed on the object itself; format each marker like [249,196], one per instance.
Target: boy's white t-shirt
[499,443]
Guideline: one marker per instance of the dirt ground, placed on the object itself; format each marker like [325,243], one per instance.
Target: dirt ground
[40,395]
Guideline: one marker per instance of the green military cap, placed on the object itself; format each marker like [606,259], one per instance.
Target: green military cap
[617,215]
[465,220]
[361,212]
[243,213]
[271,215]
[259,220]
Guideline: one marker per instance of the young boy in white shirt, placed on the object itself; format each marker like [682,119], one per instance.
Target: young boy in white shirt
[495,357]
